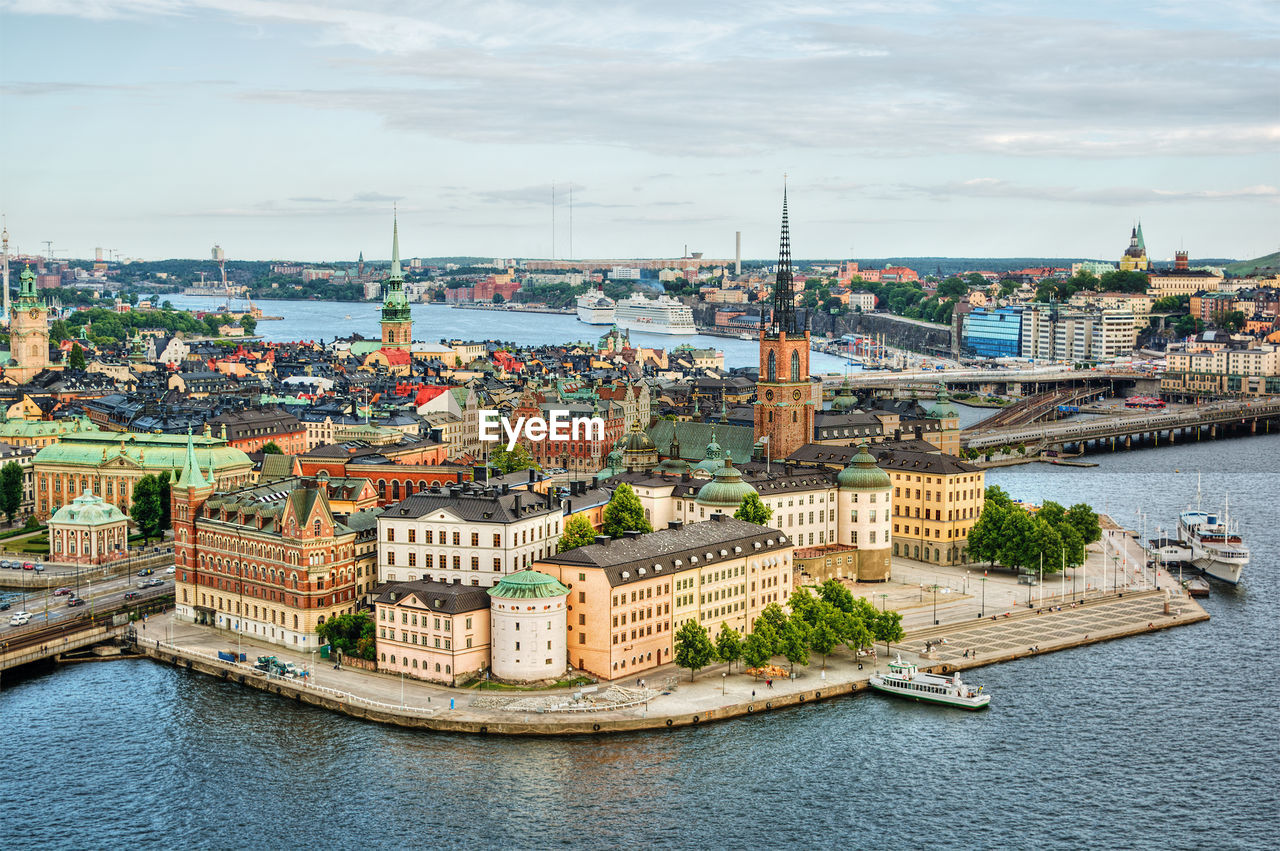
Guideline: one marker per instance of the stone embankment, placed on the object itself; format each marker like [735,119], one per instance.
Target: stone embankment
[715,694]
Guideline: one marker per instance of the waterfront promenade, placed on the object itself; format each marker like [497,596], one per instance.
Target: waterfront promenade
[674,701]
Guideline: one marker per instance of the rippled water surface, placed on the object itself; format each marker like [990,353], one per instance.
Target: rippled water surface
[1166,740]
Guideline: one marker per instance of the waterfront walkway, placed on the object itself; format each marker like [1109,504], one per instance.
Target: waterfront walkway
[715,694]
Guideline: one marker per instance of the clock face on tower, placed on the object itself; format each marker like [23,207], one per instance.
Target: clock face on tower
[35,313]
[795,394]
[768,394]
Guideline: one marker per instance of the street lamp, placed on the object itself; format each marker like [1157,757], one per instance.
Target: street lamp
[724,675]
[884,601]
[935,603]
[982,612]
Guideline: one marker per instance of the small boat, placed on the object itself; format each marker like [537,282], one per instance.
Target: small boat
[1197,587]
[348,316]
[906,680]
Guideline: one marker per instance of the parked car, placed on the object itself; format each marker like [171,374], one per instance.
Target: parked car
[75,601]
[6,563]
[62,592]
[19,618]
[171,570]
[146,571]
[131,595]
[4,606]
[26,565]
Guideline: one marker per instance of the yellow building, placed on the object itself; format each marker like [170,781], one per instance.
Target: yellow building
[936,501]
[1134,258]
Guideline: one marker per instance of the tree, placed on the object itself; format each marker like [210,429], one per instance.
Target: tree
[833,591]
[887,627]
[752,510]
[353,634]
[498,298]
[249,324]
[728,645]
[166,505]
[1085,521]
[511,461]
[75,359]
[984,537]
[272,448]
[577,533]
[757,650]
[793,641]
[624,513]
[694,649]
[824,637]
[774,616]
[10,489]
[145,510]
[952,287]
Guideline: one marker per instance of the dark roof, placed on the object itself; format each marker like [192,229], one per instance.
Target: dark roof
[436,596]
[474,504]
[907,461]
[694,545]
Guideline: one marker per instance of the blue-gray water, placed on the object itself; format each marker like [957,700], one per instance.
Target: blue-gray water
[1166,740]
[315,320]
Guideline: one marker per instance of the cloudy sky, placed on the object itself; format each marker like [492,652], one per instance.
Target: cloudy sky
[288,129]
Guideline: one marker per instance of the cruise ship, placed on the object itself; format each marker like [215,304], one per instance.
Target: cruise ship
[663,315]
[595,308]
[1216,546]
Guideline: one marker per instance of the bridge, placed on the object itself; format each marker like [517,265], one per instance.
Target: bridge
[1025,382]
[1152,426]
[50,639]
[1033,408]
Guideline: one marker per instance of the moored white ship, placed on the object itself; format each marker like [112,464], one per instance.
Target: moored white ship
[906,680]
[661,315]
[1216,545]
[595,308]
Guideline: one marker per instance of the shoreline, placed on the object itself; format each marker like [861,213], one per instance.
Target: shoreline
[689,704]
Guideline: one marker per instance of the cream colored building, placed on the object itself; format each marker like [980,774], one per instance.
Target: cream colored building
[433,631]
[467,534]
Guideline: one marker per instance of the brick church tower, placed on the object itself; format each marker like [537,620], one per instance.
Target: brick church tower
[784,406]
[187,496]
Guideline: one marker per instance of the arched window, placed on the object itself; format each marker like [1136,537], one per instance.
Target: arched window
[773,366]
[315,528]
[395,489]
[795,366]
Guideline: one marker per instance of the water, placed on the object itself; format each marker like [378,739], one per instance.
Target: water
[315,320]
[1165,740]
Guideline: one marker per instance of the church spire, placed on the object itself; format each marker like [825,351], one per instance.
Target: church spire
[396,274]
[191,476]
[784,309]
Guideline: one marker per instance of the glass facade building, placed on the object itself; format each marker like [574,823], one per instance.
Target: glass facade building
[994,333]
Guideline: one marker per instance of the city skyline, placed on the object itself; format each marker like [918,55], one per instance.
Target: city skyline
[287,130]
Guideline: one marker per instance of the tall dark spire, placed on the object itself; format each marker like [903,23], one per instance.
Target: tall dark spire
[784,308]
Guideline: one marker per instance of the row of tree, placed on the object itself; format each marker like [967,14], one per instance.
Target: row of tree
[818,624]
[625,513]
[1055,537]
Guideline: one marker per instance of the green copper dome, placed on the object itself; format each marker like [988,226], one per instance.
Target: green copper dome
[844,400]
[726,488]
[862,474]
[87,510]
[528,585]
[638,441]
[713,458]
[942,409]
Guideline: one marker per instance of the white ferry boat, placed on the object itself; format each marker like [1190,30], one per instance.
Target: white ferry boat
[595,308]
[1216,545]
[905,680]
[663,315]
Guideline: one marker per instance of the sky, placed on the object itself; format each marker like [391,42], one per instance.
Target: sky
[283,129]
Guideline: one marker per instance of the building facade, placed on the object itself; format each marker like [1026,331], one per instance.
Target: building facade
[432,631]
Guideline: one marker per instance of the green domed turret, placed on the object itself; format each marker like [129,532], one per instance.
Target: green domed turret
[844,400]
[528,585]
[942,409]
[862,474]
[713,458]
[726,488]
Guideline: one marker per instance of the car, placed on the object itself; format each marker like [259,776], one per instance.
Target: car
[62,592]
[26,565]
[6,563]
[19,618]
[171,570]
[131,595]
[75,601]
[154,582]
[146,571]
[4,606]
[38,568]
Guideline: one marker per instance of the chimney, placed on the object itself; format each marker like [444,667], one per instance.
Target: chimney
[631,534]
[602,540]
[719,517]
[532,476]
[675,524]
[459,476]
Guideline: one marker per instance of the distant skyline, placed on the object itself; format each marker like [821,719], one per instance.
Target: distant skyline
[282,129]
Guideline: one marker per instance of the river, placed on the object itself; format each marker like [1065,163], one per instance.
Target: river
[315,320]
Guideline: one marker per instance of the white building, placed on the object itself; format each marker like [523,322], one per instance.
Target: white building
[528,622]
[468,534]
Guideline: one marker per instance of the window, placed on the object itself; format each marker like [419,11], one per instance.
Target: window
[475,539]
[413,536]
[497,539]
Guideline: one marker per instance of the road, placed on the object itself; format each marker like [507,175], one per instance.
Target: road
[49,608]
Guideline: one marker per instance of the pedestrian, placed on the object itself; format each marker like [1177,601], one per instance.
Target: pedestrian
[753,694]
